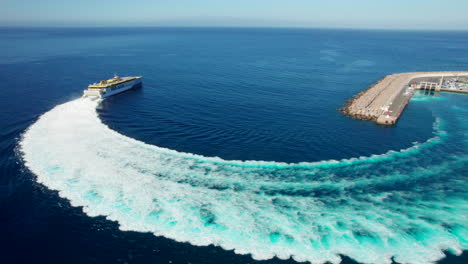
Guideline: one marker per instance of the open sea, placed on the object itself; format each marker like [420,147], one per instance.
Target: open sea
[233,151]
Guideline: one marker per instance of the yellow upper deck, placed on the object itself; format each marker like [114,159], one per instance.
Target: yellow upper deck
[112,82]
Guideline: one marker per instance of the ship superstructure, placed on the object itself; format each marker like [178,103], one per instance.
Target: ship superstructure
[106,88]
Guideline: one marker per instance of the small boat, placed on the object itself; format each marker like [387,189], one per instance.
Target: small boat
[106,88]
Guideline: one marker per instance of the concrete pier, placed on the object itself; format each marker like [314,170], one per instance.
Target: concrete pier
[384,101]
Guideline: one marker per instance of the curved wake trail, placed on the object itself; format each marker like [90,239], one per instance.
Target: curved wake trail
[408,205]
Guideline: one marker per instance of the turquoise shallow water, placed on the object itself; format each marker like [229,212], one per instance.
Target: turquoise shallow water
[232,152]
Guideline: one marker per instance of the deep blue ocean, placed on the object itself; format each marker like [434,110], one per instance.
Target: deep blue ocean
[233,151]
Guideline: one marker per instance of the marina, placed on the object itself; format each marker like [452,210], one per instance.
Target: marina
[384,101]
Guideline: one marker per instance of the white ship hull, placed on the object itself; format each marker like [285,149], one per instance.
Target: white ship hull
[121,88]
[109,91]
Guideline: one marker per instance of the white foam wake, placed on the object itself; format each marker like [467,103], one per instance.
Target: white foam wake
[308,211]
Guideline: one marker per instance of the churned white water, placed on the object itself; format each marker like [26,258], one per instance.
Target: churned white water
[371,209]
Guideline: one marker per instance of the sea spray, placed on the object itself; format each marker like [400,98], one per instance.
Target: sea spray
[409,205]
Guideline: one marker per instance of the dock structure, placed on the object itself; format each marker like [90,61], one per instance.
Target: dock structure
[384,101]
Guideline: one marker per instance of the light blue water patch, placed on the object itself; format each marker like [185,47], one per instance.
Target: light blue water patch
[409,204]
[420,96]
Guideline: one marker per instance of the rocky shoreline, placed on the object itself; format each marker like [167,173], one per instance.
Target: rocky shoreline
[345,110]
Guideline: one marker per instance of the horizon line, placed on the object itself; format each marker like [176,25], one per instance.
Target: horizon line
[233,27]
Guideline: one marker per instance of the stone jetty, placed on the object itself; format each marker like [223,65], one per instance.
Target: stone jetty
[384,101]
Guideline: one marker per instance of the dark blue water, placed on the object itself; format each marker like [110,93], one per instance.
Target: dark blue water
[236,94]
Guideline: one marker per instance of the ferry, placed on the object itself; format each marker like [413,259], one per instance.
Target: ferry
[106,88]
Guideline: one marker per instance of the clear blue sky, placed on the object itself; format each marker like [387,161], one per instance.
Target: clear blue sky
[389,14]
